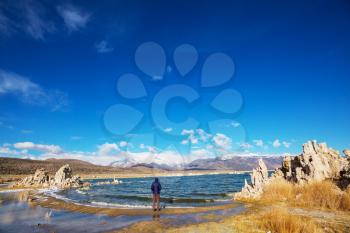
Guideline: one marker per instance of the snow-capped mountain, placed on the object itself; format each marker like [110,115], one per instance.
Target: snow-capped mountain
[174,161]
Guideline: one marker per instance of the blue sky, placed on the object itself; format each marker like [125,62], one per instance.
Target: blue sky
[61,64]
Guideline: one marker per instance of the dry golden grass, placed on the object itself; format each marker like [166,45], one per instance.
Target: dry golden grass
[345,201]
[276,220]
[278,190]
[280,221]
[319,195]
[324,195]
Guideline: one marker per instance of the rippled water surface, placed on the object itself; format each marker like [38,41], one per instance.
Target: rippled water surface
[182,191]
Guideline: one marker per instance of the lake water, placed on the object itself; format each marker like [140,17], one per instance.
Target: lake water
[185,191]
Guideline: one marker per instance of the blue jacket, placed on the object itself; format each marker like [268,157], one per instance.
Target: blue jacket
[156,187]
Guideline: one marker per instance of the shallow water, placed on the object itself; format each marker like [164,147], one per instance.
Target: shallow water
[185,191]
[17,215]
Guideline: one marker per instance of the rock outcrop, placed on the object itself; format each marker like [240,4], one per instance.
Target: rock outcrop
[259,178]
[64,178]
[347,153]
[317,163]
[344,181]
[41,179]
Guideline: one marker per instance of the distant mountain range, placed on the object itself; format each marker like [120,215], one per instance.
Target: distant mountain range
[238,163]
[14,166]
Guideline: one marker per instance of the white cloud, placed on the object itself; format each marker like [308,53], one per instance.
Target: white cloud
[191,136]
[30,92]
[103,47]
[167,130]
[123,144]
[245,146]
[152,149]
[222,141]
[52,149]
[276,143]
[286,144]
[109,152]
[259,142]
[251,154]
[107,149]
[187,132]
[74,18]
[203,136]
[184,142]
[235,124]
[195,136]
[5,150]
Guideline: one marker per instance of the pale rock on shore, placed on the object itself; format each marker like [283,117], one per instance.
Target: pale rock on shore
[259,178]
[316,163]
[63,179]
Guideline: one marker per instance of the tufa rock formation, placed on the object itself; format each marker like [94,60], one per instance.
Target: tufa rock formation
[62,179]
[259,178]
[347,153]
[316,163]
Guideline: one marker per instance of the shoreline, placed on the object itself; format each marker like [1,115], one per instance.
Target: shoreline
[8,178]
[160,174]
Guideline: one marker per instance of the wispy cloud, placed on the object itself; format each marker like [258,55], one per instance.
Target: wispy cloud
[5,125]
[37,25]
[195,136]
[73,17]
[286,144]
[221,141]
[259,142]
[235,124]
[108,153]
[25,16]
[31,93]
[38,147]
[108,148]
[76,138]
[103,47]
[276,143]
[167,130]
[245,146]
[123,143]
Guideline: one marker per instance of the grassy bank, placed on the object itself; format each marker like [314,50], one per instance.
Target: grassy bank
[318,195]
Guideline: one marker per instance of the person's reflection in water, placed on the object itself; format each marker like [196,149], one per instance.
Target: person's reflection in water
[156,216]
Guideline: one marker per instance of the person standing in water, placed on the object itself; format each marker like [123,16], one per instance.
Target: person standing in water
[156,188]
